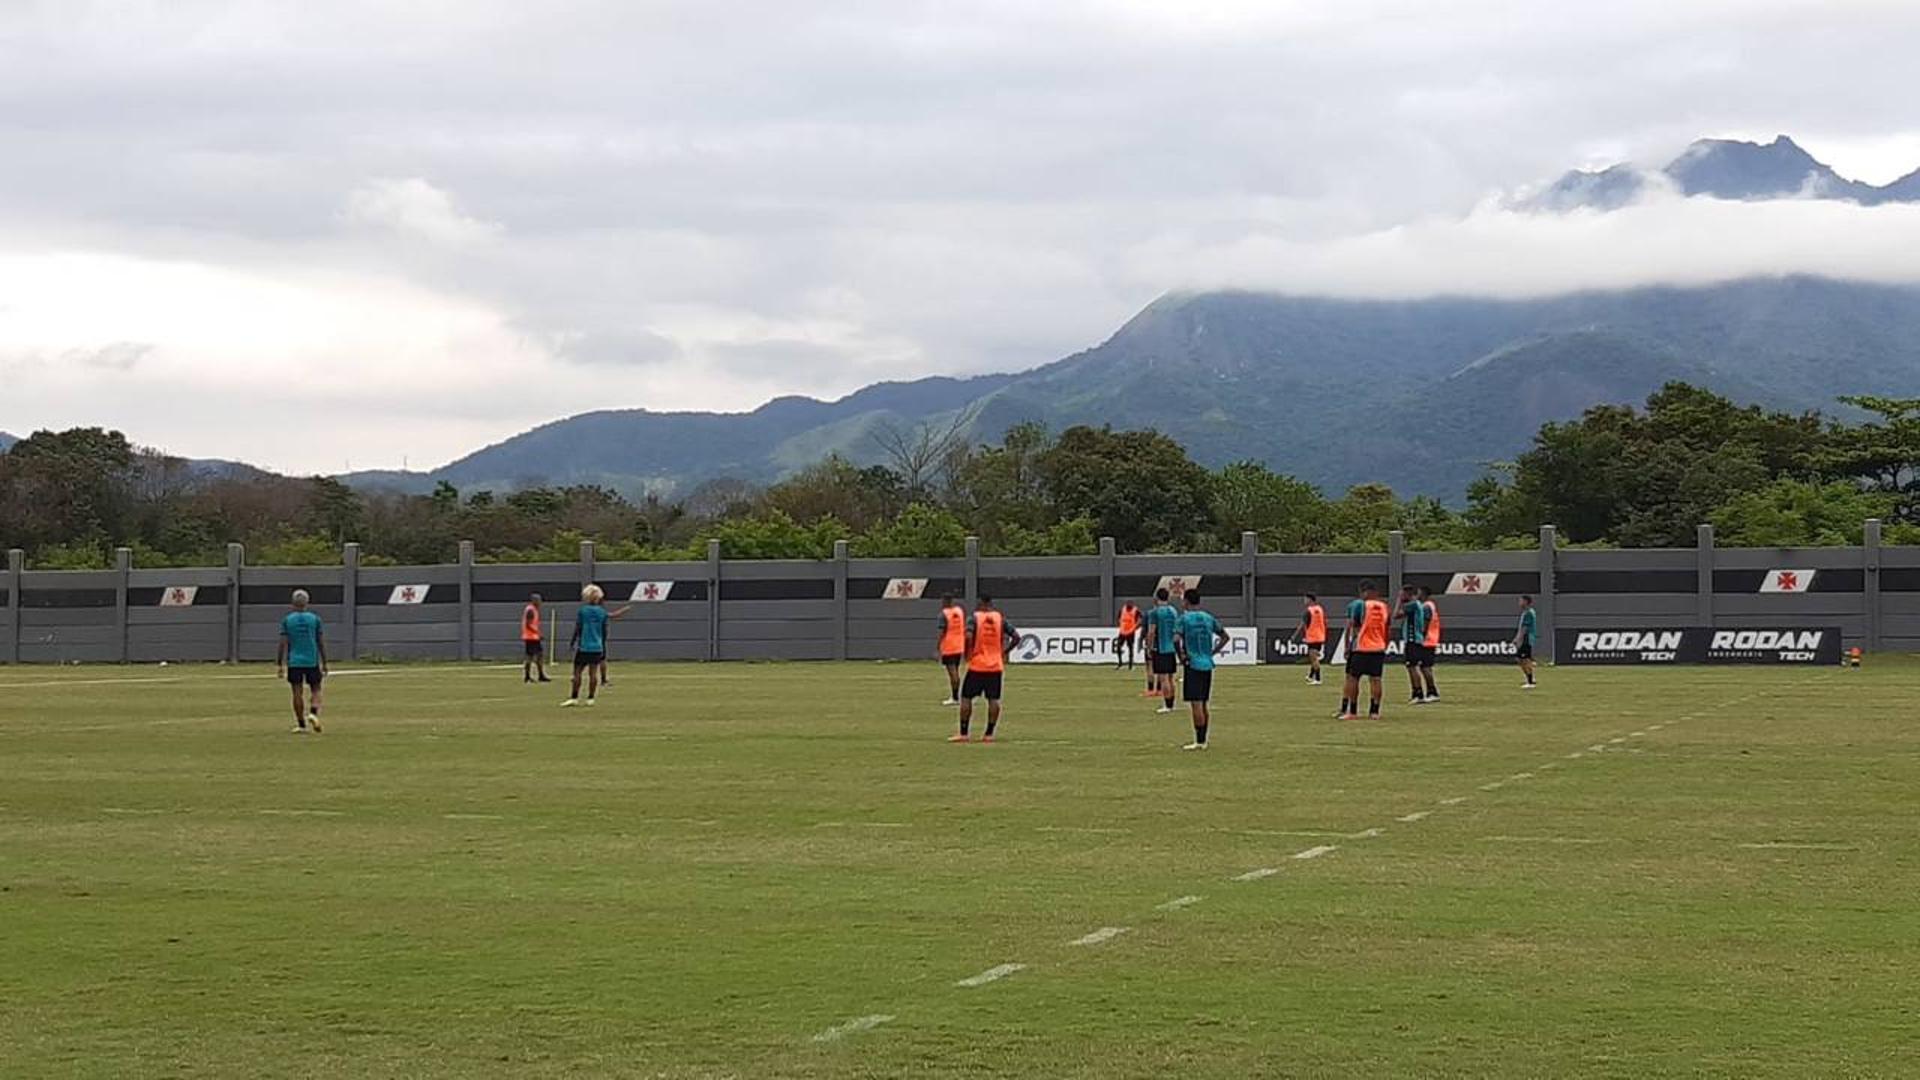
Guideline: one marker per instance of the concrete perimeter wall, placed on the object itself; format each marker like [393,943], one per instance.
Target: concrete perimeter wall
[843,608]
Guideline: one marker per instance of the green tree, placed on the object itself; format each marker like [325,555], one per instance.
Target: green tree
[1139,487]
[920,532]
[1289,514]
[1799,513]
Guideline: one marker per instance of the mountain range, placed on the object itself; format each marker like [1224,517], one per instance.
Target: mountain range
[1419,394]
[1722,169]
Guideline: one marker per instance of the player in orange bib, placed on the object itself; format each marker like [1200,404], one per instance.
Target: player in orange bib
[989,640]
[953,645]
[1313,632]
[1431,643]
[531,639]
[1129,631]
[1367,623]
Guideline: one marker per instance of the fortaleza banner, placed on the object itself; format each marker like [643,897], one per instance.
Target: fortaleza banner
[1464,645]
[1700,645]
[1094,645]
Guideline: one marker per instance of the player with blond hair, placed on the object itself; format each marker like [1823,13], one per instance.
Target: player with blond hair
[589,641]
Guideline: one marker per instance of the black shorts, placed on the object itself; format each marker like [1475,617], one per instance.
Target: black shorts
[311,676]
[533,648]
[1429,654]
[1124,641]
[1418,655]
[1164,663]
[1367,664]
[588,659]
[1525,651]
[1198,685]
[953,659]
[1317,649]
[982,684]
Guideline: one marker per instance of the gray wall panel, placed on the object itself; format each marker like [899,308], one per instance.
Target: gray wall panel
[1792,607]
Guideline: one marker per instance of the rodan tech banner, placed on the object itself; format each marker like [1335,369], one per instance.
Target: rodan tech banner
[1094,645]
[1700,645]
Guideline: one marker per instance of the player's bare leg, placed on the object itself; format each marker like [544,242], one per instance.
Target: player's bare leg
[1374,689]
[299,708]
[573,694]
[1201,717]
[313,710]
[993,718]
[966,720]
[953,682]
[1350,698]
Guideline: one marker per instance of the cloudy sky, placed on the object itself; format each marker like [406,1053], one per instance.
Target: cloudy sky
[321,235]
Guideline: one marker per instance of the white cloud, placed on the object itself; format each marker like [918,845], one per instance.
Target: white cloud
[418,228]
[413,207]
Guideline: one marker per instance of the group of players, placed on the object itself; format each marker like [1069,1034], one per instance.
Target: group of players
[974,648]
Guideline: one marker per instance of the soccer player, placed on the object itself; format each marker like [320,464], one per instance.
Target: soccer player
[990,640]
[1129,631]
[1201,636]
[303,661]
[1367,620]
[1412,618]
[1163,628]
[589,641]
[1524,639]
[1313,631]
[530,636]
[1432,643]
[952,645]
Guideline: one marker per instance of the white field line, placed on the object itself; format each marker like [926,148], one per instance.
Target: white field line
[475,817]
[992,974]
[1316,852]
[1178,902]
[1256,875]
[851,1027]
[1782,845]
[268,675]
[305,813]
[129,810]
[1080,829]
[1417,815]
[1519,776]
[1455,801]
[1493,785]
[1104,934]
[1539,840]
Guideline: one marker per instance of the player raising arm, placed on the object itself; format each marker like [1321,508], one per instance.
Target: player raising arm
[589,641]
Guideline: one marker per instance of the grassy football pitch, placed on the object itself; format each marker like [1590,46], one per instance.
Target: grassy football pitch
[783,870]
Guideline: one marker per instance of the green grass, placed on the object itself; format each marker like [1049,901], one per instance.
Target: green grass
[721,862]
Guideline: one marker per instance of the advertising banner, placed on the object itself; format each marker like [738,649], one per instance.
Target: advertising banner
[1094,645]
[1700,645]
[1464,645]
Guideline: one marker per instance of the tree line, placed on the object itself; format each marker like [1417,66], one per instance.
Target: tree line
[1617,476]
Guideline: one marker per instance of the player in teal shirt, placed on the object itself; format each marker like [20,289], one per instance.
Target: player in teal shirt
[590,642]
[1524,639]
[303,661]
[1201,636]
[1163,630]
[1412,617]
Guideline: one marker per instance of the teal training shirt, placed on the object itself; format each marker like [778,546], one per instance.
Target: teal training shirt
[1197,631]
[1413,626]
[1166,627]
[1356,613]
[1529,626]
[592,621]
[302,631]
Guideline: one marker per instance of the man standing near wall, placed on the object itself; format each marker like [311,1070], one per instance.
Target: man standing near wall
[1412,618]
[1367,622]
[1313,631]
[1524,638]
[590,642]
[952,645]
[532,638]
[989,641]
[303,661]
[1201,636]
[1431,651]
[1163,627]
[1129,630]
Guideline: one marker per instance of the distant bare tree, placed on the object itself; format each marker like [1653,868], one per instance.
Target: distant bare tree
[924,454]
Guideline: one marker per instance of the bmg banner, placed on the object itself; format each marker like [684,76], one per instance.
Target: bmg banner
[1465,645]
[1093,645]
[1700,645]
